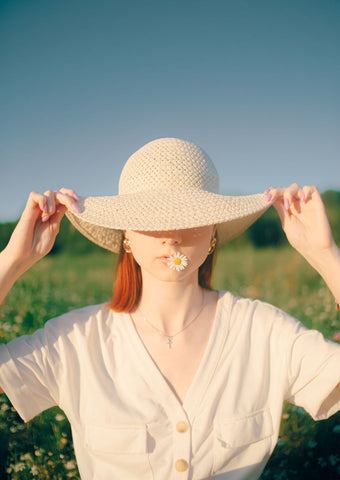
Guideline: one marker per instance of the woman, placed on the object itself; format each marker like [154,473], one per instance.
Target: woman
[171,380]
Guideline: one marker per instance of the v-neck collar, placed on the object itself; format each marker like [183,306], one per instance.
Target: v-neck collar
[202,378]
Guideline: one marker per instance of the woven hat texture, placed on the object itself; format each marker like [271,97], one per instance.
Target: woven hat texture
[168,184]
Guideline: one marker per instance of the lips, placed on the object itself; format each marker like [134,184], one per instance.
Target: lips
[164,258]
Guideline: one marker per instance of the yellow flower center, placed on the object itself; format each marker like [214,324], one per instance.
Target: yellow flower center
[177,261]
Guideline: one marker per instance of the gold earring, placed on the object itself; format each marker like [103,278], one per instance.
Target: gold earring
[127,245]
[212,245]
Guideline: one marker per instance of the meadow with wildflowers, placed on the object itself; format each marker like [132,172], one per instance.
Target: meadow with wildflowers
[42,448]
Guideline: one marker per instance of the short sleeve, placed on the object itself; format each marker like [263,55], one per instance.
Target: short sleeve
[313,373]
[46,369]
[29,372]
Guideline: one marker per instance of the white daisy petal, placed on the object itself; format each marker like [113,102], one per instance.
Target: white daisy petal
[178,261]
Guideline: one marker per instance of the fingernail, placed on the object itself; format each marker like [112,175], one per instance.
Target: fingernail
[76,208]
[268,197]
[286,203]
[75,196]
[45,218]
[303,196]
[266,191]
[45,208]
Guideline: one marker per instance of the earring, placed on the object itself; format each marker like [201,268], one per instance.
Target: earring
[127,245]
[212,245]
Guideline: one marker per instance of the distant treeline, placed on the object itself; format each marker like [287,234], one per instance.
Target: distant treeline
[266,231]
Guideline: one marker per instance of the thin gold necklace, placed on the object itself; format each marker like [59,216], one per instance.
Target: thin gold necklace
[170,337]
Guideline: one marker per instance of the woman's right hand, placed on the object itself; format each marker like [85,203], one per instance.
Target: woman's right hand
[38,226]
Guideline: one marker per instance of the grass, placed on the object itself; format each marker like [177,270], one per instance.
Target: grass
[43,448]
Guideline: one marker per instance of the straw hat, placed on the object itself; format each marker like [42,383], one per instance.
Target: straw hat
[168,184]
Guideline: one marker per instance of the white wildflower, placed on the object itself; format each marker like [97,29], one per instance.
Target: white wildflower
[19,467]
[70,465]
[34,470]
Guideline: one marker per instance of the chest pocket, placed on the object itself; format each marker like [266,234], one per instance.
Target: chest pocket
[119,451]
[242,441]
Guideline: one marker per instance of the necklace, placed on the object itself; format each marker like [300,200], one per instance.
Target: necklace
[170,337]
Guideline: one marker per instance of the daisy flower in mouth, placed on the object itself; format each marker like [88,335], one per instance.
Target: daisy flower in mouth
[177,261]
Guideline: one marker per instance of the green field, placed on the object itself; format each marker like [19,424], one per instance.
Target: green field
[42,448]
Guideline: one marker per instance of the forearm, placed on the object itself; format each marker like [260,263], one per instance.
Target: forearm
[327,264]
[10,271]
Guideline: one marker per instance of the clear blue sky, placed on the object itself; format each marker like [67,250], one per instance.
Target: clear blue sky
[84,83]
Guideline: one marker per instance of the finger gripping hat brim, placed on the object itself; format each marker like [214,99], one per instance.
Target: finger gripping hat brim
[168,184]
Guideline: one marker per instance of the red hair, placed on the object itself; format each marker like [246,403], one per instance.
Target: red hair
[128,284]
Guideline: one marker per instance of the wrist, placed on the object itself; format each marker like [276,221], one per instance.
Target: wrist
[325,260]
[327,264]
[12,265]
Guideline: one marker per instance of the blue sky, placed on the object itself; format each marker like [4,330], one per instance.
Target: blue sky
[85,83]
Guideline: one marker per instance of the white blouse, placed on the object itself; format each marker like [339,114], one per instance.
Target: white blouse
[126,421]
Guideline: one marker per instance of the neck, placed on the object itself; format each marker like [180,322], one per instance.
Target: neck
[170,305]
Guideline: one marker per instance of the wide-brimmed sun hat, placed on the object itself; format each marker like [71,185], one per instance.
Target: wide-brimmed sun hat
[168,184]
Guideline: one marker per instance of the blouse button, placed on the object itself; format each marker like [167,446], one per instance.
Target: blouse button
[181,465]
[182,427]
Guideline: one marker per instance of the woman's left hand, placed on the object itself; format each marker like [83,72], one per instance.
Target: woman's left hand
[303,218]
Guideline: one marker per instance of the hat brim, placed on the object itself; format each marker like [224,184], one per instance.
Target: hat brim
[103,219]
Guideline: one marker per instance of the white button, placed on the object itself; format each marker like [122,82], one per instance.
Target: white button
[182,427]
[181,465]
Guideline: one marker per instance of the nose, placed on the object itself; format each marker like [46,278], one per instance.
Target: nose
[172,237]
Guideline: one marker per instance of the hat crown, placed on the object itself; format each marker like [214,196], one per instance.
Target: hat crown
[168,164]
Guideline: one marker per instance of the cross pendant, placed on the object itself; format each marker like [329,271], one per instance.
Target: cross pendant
[169,342]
